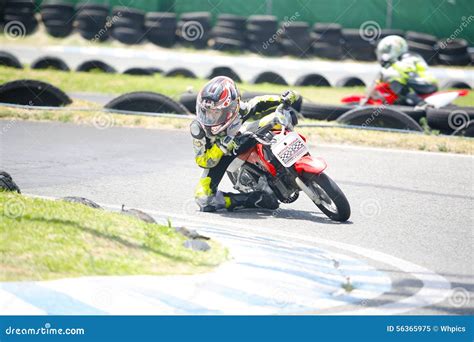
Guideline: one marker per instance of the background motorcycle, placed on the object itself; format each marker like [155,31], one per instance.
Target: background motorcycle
[280,160]
[381,93]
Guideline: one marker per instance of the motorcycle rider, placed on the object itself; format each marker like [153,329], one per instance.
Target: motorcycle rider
[220,115]
[406,73]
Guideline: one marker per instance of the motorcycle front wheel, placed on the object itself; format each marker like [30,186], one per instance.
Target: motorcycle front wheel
[327,196]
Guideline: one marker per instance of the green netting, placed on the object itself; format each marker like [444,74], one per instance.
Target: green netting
[347,13]
[438,17]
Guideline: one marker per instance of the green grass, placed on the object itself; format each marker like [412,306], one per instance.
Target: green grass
[43,239]
[173,87]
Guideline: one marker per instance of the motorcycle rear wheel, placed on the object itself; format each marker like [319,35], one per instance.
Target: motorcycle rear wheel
[327,196]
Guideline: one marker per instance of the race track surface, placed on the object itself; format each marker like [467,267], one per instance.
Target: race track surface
[412,214]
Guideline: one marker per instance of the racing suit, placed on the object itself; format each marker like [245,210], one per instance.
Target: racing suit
[214,159]
[409,78]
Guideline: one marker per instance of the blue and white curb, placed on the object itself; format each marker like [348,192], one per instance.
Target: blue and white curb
[265,276]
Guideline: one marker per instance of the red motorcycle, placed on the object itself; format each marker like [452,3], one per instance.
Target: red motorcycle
[281,160]
[381,94]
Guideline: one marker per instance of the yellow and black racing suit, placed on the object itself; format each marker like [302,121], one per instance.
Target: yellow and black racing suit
[214,161]
[409,77]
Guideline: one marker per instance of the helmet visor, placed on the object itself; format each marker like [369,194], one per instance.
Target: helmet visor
[216,116]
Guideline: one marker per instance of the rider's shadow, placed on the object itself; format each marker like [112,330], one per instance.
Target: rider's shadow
[281,213]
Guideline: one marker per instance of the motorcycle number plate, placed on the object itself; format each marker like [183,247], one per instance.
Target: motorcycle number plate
[289,148]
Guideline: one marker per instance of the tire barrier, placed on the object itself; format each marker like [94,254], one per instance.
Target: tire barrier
[128,25]
[160,28]
[180,72]
[260,32]
[455,84]
[7,183]
[314,80]
[146,102]
[188,100]
[96,65]
[328,41]
[358,47]
[228,34]
[194,29]
[49,62]
[225,71]
[424,45]
[33,93]
[326,112]
[449,120]
[350,82]
[19,18]
[139,72]
[466,131]
[295,39]
[9,60]
[91,21]
[269,77]
[382,117]
[57,18]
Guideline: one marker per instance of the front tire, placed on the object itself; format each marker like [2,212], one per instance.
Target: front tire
[327,196]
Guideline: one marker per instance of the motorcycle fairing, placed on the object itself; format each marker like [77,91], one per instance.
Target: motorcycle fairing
[310,164]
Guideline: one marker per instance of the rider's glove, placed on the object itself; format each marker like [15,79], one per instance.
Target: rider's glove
[283,117]
[289,97]
[228,144]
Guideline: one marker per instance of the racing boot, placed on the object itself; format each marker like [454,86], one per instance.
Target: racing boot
[256,199]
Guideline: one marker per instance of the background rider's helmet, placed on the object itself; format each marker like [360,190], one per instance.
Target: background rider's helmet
[217,105]
[390,49]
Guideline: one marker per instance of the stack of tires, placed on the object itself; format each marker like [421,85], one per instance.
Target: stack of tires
[160,28]
[453,52]
[194,29]
[327,41]
[91,21]
[2,14]
[424,45]
[58,18]
[358,47]
[261,34]
[128,25]
[229,33]
[19,17]
[295,39]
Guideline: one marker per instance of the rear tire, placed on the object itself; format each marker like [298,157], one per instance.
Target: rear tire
[339,209]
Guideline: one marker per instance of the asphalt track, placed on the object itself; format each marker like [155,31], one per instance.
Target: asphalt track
[412,215]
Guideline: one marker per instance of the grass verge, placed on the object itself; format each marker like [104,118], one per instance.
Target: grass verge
[43,239]
[420,142]
[171,86]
